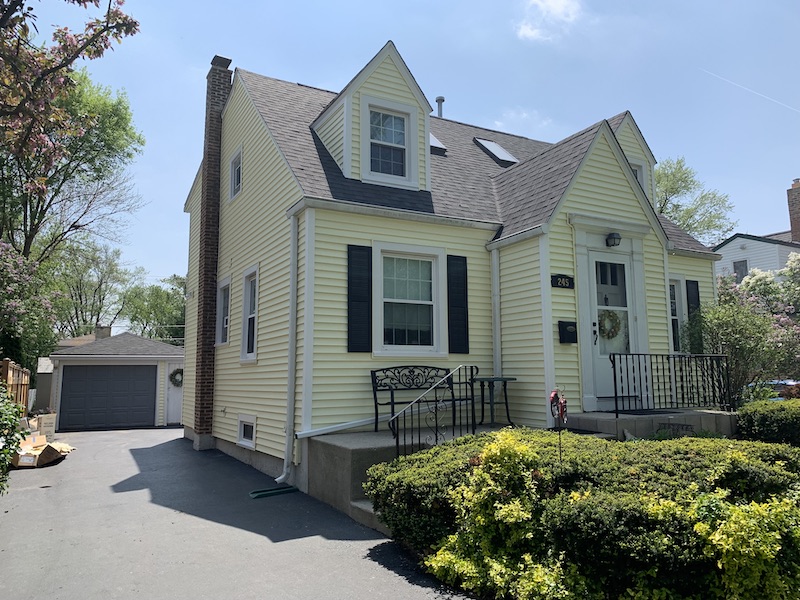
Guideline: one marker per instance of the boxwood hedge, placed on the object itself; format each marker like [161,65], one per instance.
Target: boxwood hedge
[770,421]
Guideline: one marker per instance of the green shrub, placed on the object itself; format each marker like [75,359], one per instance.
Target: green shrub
[770,421]
[649,519]
[10,436]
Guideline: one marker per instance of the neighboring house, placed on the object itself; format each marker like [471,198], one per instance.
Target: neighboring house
[334,233]
[116,382]
[743,252]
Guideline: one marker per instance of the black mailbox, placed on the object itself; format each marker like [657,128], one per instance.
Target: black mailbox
[568,332]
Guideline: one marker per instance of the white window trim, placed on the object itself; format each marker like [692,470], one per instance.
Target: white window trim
[683,309]
[236,156]
[439,278]
[252,272]
[411,114]
[222,284]
[240,439]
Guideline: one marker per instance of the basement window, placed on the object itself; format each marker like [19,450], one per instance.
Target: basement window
[247,431]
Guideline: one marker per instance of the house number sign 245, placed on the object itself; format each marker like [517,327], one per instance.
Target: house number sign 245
[562,281]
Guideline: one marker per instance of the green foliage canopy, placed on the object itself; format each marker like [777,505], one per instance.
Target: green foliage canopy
[682,198]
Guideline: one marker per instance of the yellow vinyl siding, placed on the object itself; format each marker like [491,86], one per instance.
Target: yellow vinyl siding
[342,389]
[602,190]
[331,132]
[658,324]
[521,331]
[565,307]
[387,82]
[190,341]
[636,153]
[254,232]
[697,269]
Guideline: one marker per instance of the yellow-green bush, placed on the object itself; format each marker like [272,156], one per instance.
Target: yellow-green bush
[688,518]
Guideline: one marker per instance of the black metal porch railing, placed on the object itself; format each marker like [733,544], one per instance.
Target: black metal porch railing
[664,381]
[443,412]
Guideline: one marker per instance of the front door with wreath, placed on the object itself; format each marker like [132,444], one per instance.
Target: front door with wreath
[611,316]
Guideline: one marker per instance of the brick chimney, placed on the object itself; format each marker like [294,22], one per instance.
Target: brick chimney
[218,87]
[793,195]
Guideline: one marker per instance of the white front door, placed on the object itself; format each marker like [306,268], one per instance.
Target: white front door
[612,316]
[174,398]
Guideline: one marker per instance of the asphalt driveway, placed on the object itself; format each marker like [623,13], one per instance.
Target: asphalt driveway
[139,514]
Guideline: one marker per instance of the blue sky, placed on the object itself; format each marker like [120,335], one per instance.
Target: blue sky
[717,82]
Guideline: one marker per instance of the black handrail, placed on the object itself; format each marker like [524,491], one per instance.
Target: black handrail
[670,381]
[445,411]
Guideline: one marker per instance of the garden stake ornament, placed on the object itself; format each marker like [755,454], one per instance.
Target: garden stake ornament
[558,408]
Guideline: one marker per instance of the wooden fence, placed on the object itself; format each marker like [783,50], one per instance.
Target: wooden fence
[18,381]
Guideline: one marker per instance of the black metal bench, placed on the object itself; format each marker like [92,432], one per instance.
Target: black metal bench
[406,378]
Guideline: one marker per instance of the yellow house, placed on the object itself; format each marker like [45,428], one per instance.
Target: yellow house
[334,233]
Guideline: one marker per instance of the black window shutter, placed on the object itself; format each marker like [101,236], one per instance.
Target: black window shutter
[457,315]
[359,299]
[695,317]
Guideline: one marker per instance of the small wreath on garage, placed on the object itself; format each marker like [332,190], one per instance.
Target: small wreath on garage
[176,377]
[609,324]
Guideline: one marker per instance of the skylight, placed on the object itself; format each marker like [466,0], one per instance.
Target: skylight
[497,151]
[435,143]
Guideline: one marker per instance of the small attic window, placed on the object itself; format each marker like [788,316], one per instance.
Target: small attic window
[496,151]
[436,144]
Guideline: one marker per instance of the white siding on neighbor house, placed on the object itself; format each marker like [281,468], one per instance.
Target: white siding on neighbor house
[521,332]
[387,82]
[342,390]
[190,331]
[331,133]
[254,233]
[759,255]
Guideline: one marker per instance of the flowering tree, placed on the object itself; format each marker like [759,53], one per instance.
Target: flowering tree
[26,329]
[755,325]
[33,76]
[59,135]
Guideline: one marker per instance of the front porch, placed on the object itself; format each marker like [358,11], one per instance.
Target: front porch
[338,462]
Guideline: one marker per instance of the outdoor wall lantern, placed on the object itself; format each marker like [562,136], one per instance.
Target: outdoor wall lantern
[613,239]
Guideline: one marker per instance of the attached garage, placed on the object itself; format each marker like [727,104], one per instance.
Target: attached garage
[120,382]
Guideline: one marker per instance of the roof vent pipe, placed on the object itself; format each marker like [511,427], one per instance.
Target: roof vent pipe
[439,101]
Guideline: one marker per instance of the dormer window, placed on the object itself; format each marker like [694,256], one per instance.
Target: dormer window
[389,143]
[387,134]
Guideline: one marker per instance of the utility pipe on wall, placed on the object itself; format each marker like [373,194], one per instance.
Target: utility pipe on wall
[292,362]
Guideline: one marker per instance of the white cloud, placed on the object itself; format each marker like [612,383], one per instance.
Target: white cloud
[544,20]
[520,121]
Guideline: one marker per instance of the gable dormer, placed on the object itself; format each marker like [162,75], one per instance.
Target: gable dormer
[636,150]
[377,128]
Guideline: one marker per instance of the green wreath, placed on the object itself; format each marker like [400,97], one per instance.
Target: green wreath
[176,377]
[609,324]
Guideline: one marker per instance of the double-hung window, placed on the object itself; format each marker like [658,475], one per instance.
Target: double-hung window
[236,174]
[409,299]
[390,143]
[223,310]
[249,314]
[387,134]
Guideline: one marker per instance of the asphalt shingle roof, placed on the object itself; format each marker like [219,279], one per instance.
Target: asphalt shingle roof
[466,181]
[123,344]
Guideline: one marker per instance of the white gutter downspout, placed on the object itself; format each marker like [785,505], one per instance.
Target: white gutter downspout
[292,358]
[497,359]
